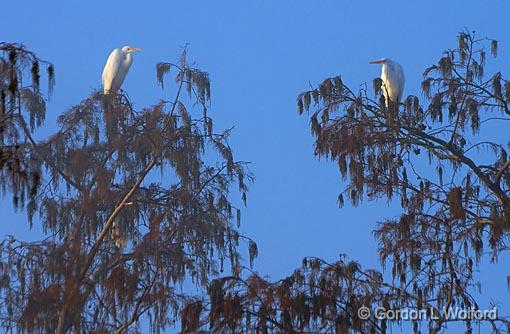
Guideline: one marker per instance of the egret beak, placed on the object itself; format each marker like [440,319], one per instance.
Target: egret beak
[135,49]
[377,62]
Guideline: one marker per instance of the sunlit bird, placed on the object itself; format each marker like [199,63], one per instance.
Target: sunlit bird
[392,76]
[116,68]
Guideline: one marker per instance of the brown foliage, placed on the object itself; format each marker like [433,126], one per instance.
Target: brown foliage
[180,224]
[449,218]
[96,183]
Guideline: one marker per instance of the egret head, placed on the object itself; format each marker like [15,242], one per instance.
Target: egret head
[129,49]
[381,61]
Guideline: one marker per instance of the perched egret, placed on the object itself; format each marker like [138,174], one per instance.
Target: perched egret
[392,76]
[116,68]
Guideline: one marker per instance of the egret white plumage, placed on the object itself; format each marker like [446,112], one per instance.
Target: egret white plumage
[116,68]
[392,76]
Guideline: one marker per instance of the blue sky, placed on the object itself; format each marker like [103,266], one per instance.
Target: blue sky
[260,55]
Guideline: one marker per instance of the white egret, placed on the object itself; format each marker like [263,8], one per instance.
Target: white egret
[392,76]
[116,68]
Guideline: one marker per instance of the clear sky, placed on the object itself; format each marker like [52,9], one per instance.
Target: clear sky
[260,55]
